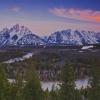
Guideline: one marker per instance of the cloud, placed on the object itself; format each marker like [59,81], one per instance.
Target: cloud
[15,9]
[83,15]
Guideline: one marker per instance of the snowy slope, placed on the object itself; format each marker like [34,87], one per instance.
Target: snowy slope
[19,35]
[4,36]
[71,37]
[30,39]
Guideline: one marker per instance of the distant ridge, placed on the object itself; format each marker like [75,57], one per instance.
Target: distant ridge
[22,36]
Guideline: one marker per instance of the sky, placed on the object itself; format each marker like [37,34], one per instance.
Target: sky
[44,17]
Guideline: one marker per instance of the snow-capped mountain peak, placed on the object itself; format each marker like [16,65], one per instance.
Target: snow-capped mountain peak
[19,31]
[73,37]
[20,35]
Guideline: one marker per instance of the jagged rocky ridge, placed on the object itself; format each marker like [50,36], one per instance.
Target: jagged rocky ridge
[19,35]
[69,37]
[22,36]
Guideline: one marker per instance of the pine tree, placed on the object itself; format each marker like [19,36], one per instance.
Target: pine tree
[94,89]
[4,84]
[16,87]
[32,89]
[54,93]
[67,91]
[47,95]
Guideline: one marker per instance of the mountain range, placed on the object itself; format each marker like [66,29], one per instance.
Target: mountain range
[22,36]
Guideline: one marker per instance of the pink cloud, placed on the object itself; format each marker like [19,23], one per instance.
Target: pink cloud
[83,15]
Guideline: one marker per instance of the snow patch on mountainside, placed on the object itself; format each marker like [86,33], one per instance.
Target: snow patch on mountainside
[87,47]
